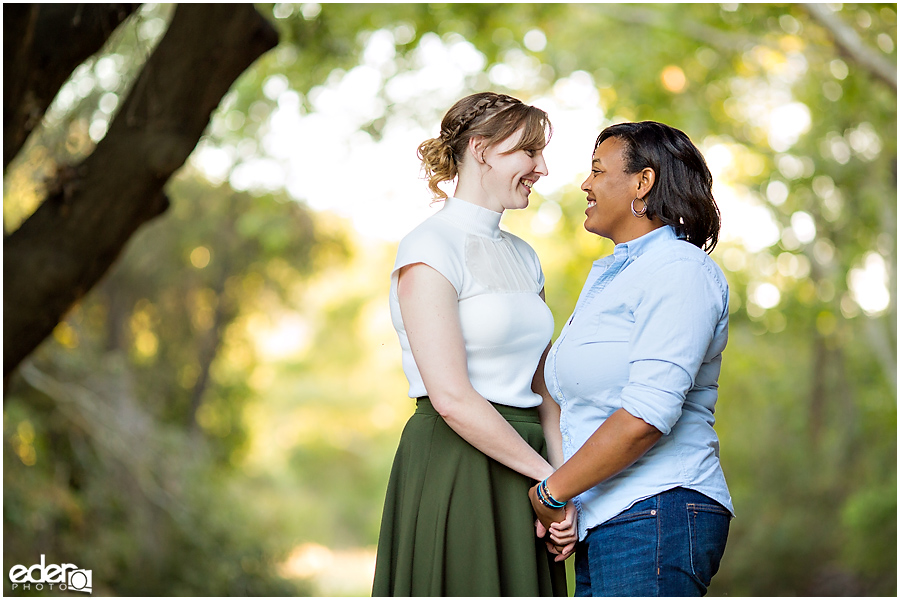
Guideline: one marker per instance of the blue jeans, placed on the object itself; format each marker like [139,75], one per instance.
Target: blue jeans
[667,545]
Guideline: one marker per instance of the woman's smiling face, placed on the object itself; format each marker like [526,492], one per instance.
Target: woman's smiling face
[511,176]
[610,191]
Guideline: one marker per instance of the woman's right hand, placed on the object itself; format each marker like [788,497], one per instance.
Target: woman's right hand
[564,533]
[552,548]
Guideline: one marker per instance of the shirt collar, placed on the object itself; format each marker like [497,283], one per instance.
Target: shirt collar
[638,246]
[471,217]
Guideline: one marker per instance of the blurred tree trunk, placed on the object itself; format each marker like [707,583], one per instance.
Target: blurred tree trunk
[224,314]
[832,401]
[93,208]
[42,45]
[118,309]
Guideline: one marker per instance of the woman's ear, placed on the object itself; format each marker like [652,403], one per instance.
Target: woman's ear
[646,179]
[477,146]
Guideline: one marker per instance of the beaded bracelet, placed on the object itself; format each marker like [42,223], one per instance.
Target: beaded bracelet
[547,498]
[541,498]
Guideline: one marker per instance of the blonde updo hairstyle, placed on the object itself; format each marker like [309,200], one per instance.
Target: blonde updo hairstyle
[492,116]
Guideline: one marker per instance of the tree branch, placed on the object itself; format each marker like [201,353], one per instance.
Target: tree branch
[67,245]
[638,15]
[852,45]
[42,45]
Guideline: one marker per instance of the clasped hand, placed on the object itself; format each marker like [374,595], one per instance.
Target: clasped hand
[559,523]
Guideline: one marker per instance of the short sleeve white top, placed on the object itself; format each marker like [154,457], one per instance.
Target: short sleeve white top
[498,278]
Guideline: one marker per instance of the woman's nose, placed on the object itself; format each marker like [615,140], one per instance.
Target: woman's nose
[541,166]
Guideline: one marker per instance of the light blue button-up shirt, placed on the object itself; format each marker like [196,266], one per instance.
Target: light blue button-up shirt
[646,335]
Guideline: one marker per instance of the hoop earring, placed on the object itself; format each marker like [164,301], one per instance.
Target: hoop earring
[643,210]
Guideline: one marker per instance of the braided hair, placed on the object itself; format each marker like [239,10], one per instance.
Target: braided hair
[488,114]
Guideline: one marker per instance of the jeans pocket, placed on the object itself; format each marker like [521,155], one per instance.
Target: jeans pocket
[622,556]
[708,525]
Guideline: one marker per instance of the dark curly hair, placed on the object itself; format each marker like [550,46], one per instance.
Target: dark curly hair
[682,194]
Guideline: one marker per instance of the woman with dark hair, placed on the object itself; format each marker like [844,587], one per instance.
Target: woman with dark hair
[467,303]
[635,372]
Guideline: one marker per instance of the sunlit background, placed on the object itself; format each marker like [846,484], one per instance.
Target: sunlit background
[234,384]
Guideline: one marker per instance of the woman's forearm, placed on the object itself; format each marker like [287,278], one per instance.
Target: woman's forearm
[430,310]
[549,413]
[479,423]
[617,444]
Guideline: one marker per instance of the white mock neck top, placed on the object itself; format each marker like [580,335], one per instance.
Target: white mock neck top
[498,278]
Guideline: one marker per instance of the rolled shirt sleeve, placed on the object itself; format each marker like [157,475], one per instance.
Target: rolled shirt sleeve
[674,326]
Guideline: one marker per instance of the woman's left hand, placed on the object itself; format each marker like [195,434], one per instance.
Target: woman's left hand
[559,522]
[546,515]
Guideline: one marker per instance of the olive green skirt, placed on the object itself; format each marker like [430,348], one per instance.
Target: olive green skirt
[457,523]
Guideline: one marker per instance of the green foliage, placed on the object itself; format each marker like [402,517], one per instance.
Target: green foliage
[793,490]
[90,477]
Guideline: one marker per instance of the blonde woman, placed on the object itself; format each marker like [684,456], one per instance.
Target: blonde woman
[467,303]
